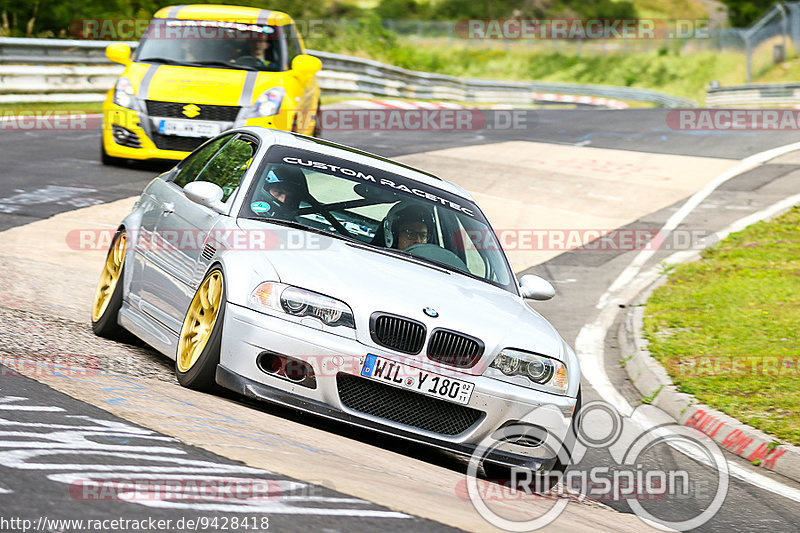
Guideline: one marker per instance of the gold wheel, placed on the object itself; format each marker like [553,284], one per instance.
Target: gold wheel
[199,321]
[110,276]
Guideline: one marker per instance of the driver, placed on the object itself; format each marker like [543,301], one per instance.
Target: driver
[406,225]
[283,189]
[260,48]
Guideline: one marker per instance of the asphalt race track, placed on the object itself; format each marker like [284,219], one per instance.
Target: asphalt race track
[57,428]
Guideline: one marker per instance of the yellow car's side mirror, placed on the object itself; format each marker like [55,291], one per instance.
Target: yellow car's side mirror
[306,66]
[119,53]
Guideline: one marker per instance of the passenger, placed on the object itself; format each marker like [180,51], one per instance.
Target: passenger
[406,225]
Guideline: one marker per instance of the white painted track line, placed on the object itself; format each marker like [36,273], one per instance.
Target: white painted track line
[589,344]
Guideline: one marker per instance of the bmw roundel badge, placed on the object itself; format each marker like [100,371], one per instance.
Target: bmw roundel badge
[430,312]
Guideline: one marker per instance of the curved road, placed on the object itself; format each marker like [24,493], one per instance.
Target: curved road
[45,173]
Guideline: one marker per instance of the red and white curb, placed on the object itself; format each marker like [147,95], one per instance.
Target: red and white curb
[400,104]
[573,99]
[542,97]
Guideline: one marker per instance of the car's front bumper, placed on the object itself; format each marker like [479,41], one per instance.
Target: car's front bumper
[129,134]
[247,334]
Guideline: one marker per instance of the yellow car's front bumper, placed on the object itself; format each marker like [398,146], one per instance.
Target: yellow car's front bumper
[129,134]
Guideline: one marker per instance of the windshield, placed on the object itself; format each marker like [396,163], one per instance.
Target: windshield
[378,209]
[213,44]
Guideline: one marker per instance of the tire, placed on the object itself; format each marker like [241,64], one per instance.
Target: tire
[108,294]
[503,473]
[318,123]
[107,159]
[200,338]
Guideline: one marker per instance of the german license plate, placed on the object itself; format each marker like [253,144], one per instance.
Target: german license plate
[428,383]
[186,128]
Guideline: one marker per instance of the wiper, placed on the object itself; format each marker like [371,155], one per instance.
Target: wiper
[166,61]
[235,66]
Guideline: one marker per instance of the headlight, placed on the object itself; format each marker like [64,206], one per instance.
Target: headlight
[302,303]
[524,368]
[269,103]
[124,93]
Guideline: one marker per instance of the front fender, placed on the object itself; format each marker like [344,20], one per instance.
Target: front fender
[244,270]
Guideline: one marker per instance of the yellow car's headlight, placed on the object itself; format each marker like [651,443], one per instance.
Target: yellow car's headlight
[269,102]
[124,95]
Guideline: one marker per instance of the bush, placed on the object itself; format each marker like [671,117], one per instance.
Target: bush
[742,13]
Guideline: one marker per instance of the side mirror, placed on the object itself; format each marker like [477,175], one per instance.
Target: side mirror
[306,66]
[205,193]
[119,53]
[536,288]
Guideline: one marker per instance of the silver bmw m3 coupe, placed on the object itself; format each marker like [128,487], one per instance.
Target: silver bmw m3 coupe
[305,273]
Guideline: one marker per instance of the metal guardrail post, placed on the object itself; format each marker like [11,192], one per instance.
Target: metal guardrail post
[794,20]
[784,28]
[749,59]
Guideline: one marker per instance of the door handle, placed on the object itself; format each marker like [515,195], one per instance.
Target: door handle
[167,208]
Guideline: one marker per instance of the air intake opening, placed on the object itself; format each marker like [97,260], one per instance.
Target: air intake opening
[521,434]
[287,368]
[404,406]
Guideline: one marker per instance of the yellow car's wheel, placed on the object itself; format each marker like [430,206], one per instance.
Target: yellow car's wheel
[108,295]
[201,334]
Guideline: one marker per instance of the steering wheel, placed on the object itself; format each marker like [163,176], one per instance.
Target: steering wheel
[338,226]
[249,61]
[434,252]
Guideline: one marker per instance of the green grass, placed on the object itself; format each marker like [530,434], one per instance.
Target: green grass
[651,65]
[670,9]
[681,75]
[726,327]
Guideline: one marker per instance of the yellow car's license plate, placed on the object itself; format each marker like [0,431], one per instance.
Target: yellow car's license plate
[185,128]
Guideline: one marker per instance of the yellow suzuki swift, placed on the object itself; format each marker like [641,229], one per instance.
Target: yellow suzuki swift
[203,69]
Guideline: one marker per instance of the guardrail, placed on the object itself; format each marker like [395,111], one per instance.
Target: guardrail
[756,95]
[37,70]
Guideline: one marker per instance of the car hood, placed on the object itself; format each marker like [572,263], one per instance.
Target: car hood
[370,281]
[219,86]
